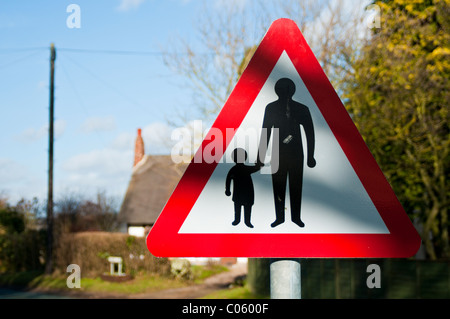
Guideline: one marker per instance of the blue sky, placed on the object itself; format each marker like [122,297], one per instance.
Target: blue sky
[100,98]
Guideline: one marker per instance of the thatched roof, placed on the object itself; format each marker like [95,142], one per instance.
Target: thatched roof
[152,182]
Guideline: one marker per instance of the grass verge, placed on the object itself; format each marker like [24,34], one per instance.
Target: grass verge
[142,283]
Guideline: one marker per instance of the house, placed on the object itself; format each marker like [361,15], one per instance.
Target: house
[153,179]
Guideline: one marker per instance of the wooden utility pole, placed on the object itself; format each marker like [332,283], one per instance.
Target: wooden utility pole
[49,259]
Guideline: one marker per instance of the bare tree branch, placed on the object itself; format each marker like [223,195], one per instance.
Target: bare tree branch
[332,28]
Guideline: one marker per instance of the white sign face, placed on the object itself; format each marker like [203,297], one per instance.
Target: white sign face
[333,199]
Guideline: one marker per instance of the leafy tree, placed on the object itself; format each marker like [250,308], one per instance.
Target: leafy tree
[21,242]
[399,99]
[33,212]
[11,221]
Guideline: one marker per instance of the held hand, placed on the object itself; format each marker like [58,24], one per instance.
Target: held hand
[227,192]
[311,162]
[259,164]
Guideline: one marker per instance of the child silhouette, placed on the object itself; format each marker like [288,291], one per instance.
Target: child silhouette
[243,193]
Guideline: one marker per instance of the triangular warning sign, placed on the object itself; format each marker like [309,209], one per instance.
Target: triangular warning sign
[283,172]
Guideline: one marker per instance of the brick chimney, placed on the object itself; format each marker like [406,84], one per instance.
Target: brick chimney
[139,151]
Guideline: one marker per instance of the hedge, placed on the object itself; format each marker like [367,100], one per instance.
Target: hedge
[90,251]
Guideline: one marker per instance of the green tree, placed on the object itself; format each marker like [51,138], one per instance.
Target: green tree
[21,242]
[399,99]
[11,220]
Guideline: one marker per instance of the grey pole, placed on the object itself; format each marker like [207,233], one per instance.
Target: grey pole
[285,279]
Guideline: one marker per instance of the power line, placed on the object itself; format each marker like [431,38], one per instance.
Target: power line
[72,85]
[82,104]
[105,83]
[124,52]
[18,60]
[117,52]
[76,50]
[14,50]
[99,51]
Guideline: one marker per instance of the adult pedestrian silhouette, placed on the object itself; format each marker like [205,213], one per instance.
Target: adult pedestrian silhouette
[286,115]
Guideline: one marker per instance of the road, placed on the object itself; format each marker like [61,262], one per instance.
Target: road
[6,293]
[214,283]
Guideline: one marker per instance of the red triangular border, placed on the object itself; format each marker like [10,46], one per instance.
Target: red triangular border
[402,241]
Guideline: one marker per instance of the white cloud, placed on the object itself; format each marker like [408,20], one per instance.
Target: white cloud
[31,134]
[126,5]
[110,168]
[339,20]
[42,85]
[59,128]
[18,182]
[124,141]
[156,136]
[107,161]
[107,169]
[157,139]
[11,171]
[228,4]
[96,124]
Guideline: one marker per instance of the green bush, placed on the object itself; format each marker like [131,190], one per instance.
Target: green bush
[11,220]
[23,251]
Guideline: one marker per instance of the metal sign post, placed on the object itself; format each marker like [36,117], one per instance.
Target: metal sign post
[285,279]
